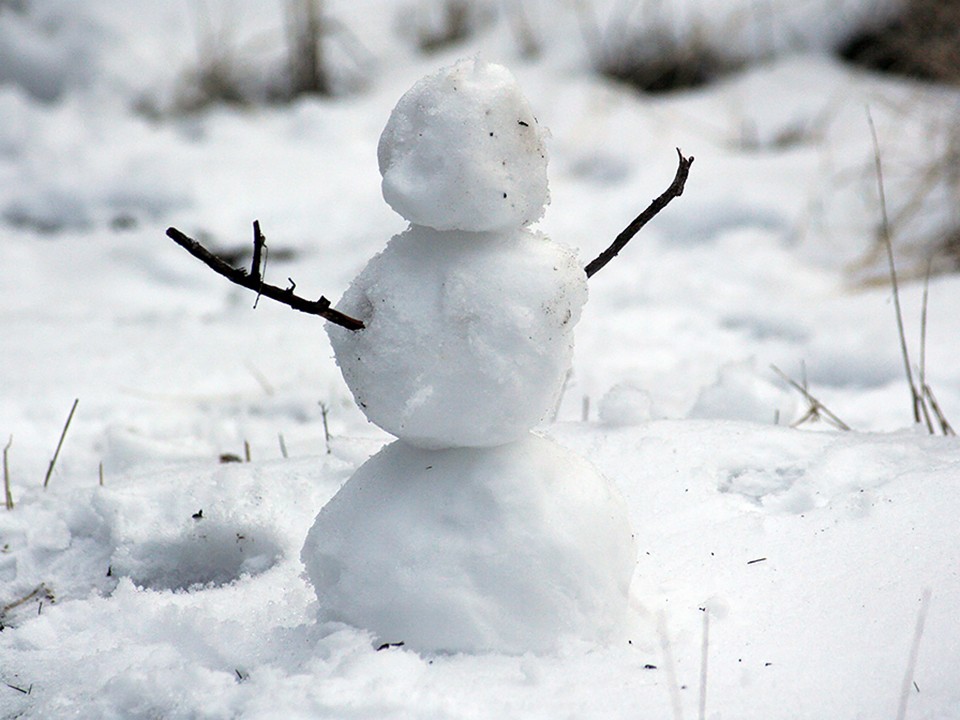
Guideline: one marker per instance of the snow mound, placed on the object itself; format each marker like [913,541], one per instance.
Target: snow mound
[468,550]
[463,151]
[468,335]
[741,392]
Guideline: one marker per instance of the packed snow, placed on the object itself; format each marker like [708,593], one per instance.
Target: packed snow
[458,326]
[463,151]
[513,548]
[781,571]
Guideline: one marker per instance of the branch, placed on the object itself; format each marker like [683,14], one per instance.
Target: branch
[675,190]
[254,280]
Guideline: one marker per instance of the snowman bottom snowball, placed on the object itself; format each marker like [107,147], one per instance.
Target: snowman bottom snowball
[505,549]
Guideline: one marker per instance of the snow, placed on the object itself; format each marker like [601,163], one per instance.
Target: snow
[809,549]
[508,549]
[459,325]
[462,150]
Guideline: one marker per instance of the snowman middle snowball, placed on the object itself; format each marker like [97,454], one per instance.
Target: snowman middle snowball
[469,315]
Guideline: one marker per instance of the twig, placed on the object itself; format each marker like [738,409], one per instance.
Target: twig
[63,434]
[8,496]
[915,397]
[40,590]
[255,282]
[816,407]
[283,445]
[324,411]
[914,652]
[100,473]
[675,190]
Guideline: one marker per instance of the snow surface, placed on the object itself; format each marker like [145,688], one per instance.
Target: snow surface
[809,552]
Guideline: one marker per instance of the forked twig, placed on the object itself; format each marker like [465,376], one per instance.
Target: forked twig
[675,190]
[254,279]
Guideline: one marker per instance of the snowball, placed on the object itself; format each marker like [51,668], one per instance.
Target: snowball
[503,549]
[463,151]
[624,405]
[468,336]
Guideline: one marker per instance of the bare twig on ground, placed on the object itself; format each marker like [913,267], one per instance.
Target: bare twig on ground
[817,409]
[675,190]
[41,592]
[254,279]
[56,454]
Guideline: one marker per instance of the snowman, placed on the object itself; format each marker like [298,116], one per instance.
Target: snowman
[468,533]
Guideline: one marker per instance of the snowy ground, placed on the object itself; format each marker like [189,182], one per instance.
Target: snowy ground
[786,567]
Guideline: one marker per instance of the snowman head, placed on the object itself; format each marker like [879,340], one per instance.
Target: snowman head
[463,151]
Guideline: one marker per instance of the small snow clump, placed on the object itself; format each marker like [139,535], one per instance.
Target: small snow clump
[505,549]
[463,151]
[626,404]
[468,336]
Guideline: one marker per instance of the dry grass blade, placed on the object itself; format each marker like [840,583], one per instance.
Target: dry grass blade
[914,651]
[945,426]
[817,409]
[915,396]
[8,496]
[56,454]
[704,653]
[41,592]
[923,346]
